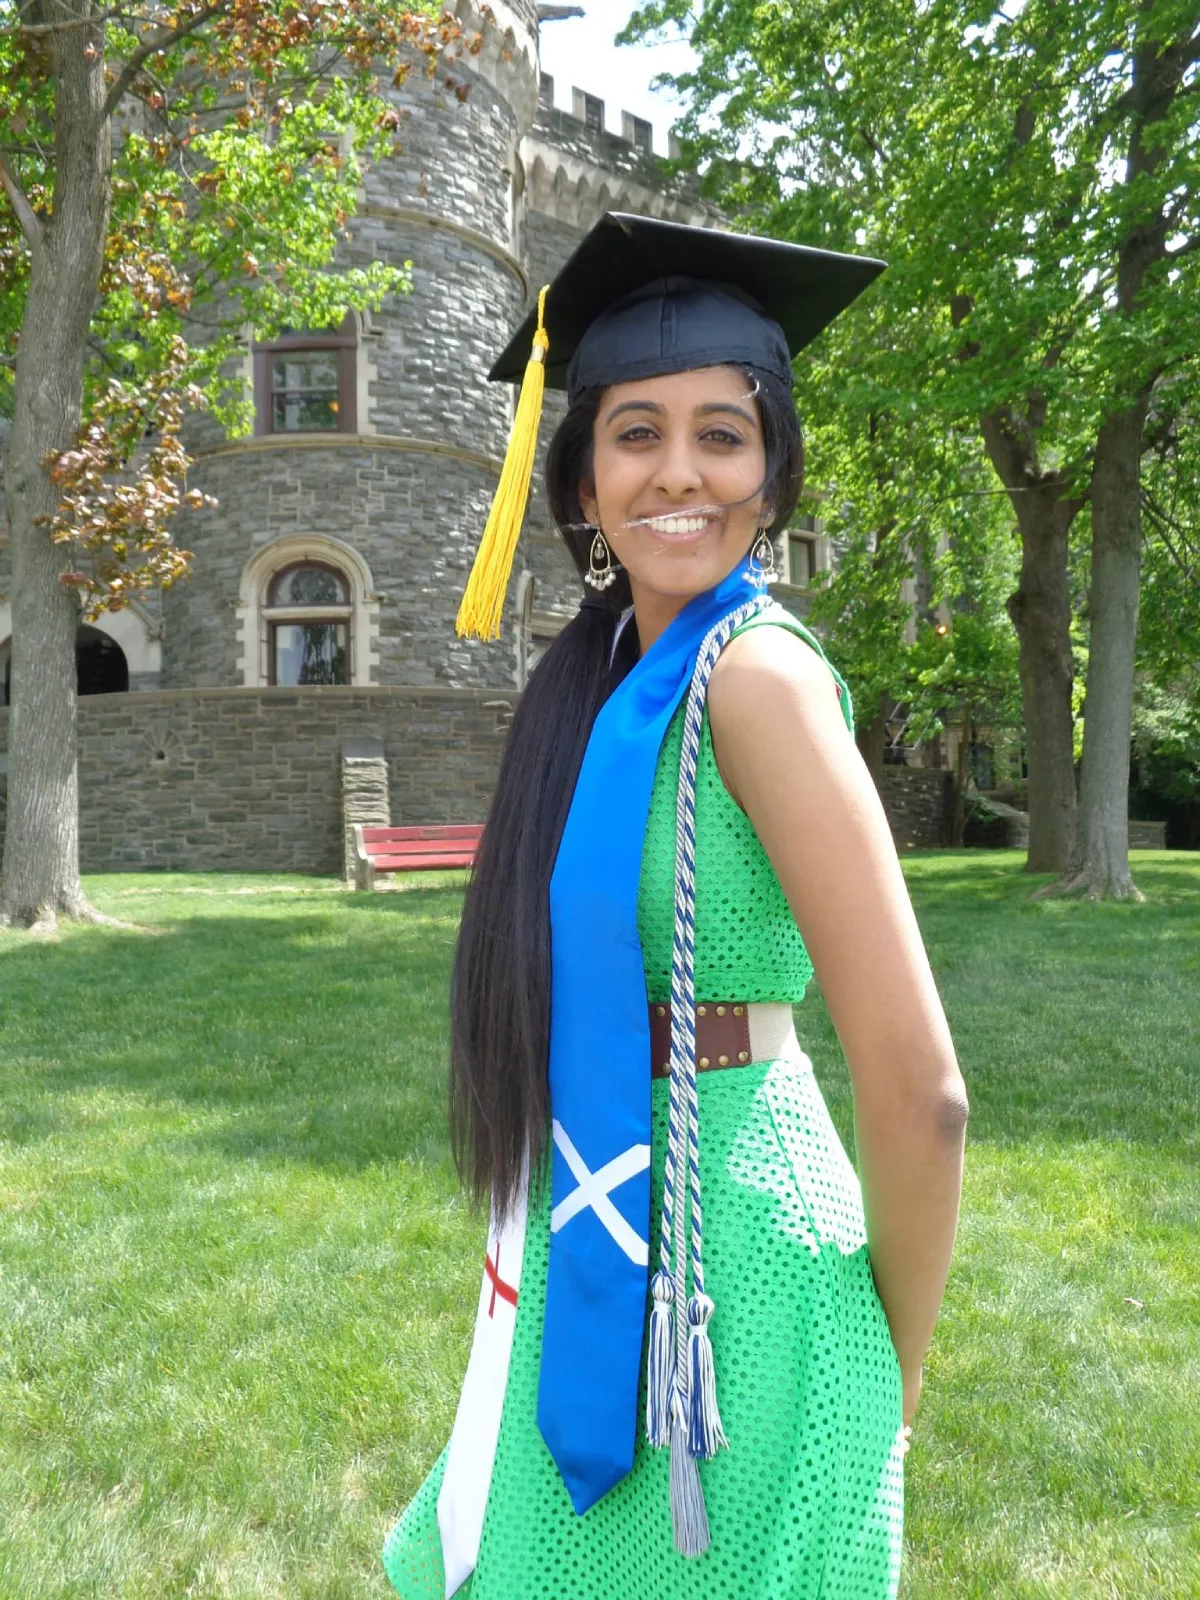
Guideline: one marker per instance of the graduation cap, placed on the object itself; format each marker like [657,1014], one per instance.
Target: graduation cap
[640,298]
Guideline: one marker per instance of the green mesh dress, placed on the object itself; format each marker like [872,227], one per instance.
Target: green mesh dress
[807,1501]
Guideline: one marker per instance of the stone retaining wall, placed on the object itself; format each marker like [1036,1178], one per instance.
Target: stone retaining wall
[251,779]
[915,801]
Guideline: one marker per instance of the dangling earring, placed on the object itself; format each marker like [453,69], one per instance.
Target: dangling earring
[762,570]
[602,570]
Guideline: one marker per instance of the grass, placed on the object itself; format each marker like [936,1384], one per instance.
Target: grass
[236,1279]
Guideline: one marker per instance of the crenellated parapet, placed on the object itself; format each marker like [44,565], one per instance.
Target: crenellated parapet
[574,174]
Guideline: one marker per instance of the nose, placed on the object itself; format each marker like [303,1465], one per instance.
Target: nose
[677,475]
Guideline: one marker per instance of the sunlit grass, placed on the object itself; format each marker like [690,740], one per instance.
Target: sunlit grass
[236,1279]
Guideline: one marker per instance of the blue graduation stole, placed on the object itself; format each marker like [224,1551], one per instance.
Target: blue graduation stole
[600,1069]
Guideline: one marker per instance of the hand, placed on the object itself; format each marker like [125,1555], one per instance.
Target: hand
[912,1395]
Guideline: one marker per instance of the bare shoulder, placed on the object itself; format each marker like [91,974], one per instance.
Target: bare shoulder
[768,683]
[767,653]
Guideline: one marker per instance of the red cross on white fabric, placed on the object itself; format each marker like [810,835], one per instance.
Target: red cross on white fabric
[499,1287]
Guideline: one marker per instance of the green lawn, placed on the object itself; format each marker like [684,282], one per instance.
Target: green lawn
[236,1280]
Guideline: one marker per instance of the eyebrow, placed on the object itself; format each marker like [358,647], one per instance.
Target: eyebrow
[708,410]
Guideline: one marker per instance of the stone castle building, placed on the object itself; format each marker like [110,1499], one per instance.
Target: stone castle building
[307,672]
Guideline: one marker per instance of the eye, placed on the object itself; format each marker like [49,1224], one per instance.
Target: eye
[721,435]
[636,433]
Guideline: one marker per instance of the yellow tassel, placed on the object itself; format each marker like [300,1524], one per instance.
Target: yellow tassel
[483,599]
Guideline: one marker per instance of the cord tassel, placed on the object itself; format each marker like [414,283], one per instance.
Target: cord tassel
[705,1433]
[483,599]
[660,1363]
[689,1518]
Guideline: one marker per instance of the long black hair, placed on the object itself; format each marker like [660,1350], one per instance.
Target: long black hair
[500,989]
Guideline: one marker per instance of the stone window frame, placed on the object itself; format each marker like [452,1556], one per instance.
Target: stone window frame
[254,615]
[275,615]
[806,530]
[345,341]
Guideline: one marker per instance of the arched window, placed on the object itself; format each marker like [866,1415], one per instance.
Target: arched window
[305,381]
[308,615]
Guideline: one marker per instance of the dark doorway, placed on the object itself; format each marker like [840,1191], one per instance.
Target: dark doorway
[100,666]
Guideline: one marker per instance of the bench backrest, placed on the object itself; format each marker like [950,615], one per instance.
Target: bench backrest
[431,839]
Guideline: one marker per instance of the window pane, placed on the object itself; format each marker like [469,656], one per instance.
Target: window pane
[304,413]
[310,653]
[304,391]
[309,586]
[304,369]
[801,559]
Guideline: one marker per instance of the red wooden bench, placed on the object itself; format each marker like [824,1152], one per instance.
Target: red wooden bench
[412,849]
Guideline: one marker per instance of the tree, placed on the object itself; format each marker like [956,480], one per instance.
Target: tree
[175,170]
[915,612]
[1029,172]
[1166,729]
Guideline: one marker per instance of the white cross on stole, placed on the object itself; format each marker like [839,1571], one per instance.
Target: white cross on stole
[593,1191]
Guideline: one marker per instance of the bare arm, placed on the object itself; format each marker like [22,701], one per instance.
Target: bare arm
[787,758]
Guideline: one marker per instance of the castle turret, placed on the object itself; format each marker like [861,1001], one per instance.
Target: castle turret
[346,525]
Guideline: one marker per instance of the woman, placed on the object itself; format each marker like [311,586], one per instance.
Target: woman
[699,1343]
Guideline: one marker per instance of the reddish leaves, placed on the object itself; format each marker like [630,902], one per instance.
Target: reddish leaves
[124,483]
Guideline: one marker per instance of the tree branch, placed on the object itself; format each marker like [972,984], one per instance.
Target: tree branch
[161,39]
[98,17]
[1186,249]
[31,225]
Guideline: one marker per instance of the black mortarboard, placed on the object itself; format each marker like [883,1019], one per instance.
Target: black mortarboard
[640,298]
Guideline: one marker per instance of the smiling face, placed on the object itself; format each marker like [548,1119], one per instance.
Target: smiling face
[678,467]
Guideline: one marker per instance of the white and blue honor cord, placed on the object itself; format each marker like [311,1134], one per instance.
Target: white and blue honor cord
[681,1397]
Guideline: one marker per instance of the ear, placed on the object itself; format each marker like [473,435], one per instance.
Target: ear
[587,500]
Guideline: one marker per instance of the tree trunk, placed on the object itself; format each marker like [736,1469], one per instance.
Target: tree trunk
[1099,866]
[41,846]
[958,802]
[870,740]
[1041,613]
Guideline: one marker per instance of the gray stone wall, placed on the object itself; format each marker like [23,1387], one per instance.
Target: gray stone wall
[250,780]
[548,243]
[915,800]
[413,518]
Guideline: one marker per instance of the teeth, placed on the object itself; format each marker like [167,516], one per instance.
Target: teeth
[678,524]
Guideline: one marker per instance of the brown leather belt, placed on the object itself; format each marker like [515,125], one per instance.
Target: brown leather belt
[722,1036]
